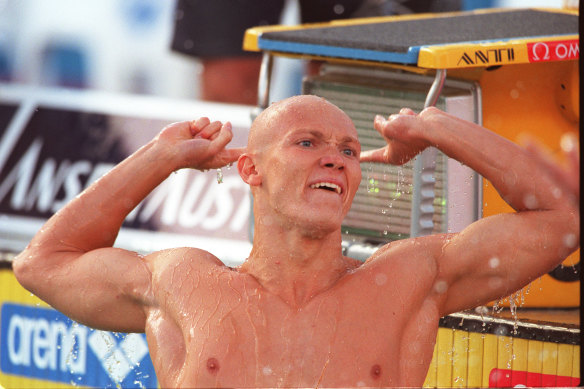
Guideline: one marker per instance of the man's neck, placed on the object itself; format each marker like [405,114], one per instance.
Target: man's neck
[294,265]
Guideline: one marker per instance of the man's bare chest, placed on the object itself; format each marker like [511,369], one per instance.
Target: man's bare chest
[240,338]
[236,333]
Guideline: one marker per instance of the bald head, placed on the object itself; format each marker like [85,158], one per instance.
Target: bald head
[274,120]
[293,145]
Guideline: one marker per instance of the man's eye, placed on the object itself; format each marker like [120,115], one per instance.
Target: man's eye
[349,152]
[305,143]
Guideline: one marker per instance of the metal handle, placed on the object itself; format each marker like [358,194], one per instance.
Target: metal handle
[436,88]
[264,81]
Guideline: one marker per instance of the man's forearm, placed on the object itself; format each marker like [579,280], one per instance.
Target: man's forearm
[507,166]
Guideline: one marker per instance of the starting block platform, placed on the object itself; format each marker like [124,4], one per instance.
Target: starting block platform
[432,41]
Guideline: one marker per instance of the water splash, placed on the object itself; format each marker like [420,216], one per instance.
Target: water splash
[219,176]
[516,300]
[482,311]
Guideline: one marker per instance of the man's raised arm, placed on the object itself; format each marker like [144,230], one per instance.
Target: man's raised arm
[498,255]
[70,263]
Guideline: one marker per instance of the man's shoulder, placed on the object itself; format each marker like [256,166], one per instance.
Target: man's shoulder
[191,257]
[182,277]
[408,252]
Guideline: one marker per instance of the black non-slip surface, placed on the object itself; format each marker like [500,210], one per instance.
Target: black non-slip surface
[399,36]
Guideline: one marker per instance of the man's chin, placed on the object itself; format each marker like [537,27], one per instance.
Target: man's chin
[313,220]
[320,227]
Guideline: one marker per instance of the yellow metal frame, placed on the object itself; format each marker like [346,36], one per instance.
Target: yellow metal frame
[539,100]
[466,359]
[483,54]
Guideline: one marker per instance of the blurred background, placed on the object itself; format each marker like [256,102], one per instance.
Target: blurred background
[123,46]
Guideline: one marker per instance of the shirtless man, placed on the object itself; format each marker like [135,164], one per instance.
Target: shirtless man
[298,313]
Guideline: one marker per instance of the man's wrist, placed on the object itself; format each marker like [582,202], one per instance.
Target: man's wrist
[160,156]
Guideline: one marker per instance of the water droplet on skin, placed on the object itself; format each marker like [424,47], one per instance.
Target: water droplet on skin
[267,370]
[441,286]
[568,142]
[495,282]
[415,347]
[380,279]
[570,240]
[494,263]
[510,178]
[530,201]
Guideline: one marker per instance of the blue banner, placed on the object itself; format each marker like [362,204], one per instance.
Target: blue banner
[42,343]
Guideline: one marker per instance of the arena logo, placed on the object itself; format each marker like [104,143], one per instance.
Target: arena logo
[44,344]
[187,199]
[488,57]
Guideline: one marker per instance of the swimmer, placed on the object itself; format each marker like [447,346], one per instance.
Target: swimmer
[297,313]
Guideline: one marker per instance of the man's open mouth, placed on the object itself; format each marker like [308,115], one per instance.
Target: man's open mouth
[327,186]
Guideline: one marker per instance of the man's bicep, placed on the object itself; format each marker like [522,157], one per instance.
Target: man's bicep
[498,255]
[105,288]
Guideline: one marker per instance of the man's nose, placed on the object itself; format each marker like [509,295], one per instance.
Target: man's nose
[332,160]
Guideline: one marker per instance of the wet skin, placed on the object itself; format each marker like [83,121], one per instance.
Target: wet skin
[363,331]
[297,312]
[253,327]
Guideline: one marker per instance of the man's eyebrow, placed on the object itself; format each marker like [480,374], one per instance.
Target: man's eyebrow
[350,139]
[320,135]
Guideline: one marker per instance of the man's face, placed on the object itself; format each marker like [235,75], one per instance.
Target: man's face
[310,168]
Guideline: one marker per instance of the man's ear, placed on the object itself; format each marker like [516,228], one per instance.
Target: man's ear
[247,170]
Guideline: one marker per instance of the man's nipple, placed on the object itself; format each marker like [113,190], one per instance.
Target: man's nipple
[376,371]
[212,365]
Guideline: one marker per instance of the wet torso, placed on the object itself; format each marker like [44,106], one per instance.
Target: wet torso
[219,327]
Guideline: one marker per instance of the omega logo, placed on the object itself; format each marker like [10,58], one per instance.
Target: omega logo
[553,51]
